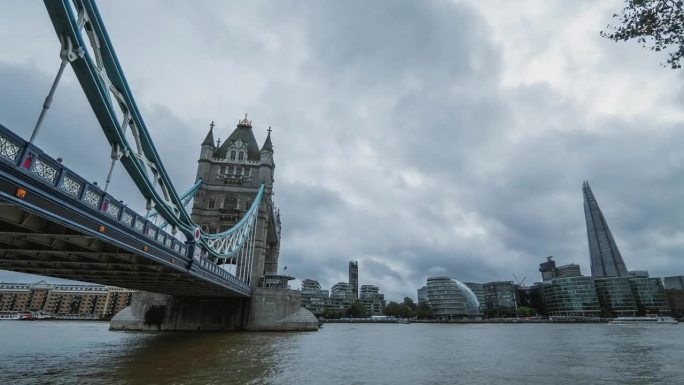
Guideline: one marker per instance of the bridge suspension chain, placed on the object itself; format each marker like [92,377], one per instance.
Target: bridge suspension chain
[101,77]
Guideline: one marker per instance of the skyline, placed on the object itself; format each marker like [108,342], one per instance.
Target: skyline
[419,139]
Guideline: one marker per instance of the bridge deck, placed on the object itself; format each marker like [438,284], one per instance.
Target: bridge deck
[47,230]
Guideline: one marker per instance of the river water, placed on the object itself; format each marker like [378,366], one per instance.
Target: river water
[56,352]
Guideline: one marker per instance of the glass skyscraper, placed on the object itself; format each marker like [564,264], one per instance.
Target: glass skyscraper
[606,260]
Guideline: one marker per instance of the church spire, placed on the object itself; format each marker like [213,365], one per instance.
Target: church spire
[209,140]
[268,146]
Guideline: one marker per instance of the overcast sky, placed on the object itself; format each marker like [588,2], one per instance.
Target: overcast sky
[420,138]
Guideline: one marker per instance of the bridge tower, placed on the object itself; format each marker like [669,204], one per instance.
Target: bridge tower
[231,174]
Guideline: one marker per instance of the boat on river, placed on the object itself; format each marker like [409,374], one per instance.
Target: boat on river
[13,316]
[650,320]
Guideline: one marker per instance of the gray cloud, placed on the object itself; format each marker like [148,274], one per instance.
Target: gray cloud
[405,139]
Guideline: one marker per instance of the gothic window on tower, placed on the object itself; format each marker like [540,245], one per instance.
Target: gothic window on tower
[248,203]
[241,156]
[222,170]
[232,155]
[247,171]
[211,203]
[230,170]
[230,202]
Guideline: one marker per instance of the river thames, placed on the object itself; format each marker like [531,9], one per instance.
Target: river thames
[56,352]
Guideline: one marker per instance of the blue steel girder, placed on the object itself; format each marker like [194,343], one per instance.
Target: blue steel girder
[104,83]
[185,200]
[44,187]
[105,87]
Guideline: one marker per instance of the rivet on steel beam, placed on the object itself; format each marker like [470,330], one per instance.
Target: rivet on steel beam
[101,229]
[21,193]
[145,248]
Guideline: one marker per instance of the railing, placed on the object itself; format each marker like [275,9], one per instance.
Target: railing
[32,162]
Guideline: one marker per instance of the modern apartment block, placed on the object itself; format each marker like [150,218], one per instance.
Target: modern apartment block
[313,297]
[372,300]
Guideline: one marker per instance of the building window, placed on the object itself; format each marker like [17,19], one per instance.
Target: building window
[241,156]
[247,171]
[222,170]
[230,203]
[231,170]
[232,155]
[248,203]
[211,203]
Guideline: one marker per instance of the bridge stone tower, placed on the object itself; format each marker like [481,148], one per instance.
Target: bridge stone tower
[231,174]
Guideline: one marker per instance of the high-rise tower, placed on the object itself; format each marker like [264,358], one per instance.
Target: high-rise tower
[354,278]
[606,260]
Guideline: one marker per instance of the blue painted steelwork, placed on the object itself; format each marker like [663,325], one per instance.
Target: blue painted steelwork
[185,200]
[104,84]
[82,206]
[106,89]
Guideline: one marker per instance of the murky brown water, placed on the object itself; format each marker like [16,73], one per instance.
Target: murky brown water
[54,352]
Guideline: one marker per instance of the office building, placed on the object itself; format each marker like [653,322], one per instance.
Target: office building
[450,299]
[606,260]
[422,294]
[649,295]
[571,297]
[570,270]
[674,282]
[616,296]
[500,298]
[548,269]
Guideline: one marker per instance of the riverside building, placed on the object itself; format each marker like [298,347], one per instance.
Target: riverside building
[449,299]
[571,297]
[373,301]
[313,297]
[500,298]
[90,301]
[354,278]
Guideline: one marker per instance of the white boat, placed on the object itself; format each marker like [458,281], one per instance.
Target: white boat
[11,317]
[650,320]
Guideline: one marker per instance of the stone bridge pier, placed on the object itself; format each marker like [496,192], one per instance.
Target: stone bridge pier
[268,309]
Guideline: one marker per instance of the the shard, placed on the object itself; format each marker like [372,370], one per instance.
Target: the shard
[606,260]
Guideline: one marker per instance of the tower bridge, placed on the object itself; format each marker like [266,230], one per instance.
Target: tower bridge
[198,270]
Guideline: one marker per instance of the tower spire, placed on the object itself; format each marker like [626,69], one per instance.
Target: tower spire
[606,260]
[209,140]
[268,146]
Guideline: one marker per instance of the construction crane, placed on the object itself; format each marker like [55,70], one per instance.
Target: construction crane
[520,282]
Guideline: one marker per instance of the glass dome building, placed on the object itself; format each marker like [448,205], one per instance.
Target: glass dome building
[450,299]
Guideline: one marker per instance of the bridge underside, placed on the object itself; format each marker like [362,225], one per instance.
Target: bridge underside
[32,244]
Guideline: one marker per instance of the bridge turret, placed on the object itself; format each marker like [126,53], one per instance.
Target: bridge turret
[208,145]
[266,163]
[206,153]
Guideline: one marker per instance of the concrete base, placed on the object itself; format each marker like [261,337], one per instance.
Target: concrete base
[268,309]
[279,310]
[154,312]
